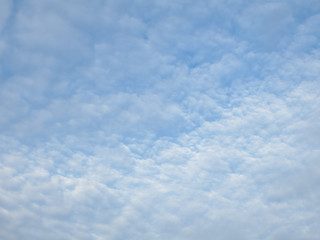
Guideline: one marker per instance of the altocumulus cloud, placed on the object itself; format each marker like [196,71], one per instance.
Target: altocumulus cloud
[160,120]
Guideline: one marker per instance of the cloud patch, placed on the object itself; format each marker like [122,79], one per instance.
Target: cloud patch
[162,120]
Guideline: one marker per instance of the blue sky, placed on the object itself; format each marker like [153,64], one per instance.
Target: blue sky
[180,120]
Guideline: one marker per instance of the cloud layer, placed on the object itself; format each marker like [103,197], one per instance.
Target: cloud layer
[159,120]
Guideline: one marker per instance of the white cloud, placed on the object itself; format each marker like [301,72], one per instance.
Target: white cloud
[159,120]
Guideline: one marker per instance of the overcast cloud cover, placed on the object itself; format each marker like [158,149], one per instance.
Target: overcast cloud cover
[160,119]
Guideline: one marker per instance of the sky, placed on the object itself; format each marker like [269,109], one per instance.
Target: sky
[160,119]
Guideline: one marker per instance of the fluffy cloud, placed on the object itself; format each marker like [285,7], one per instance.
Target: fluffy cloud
[159,120]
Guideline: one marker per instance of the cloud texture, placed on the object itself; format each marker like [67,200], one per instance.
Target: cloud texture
[160,120]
